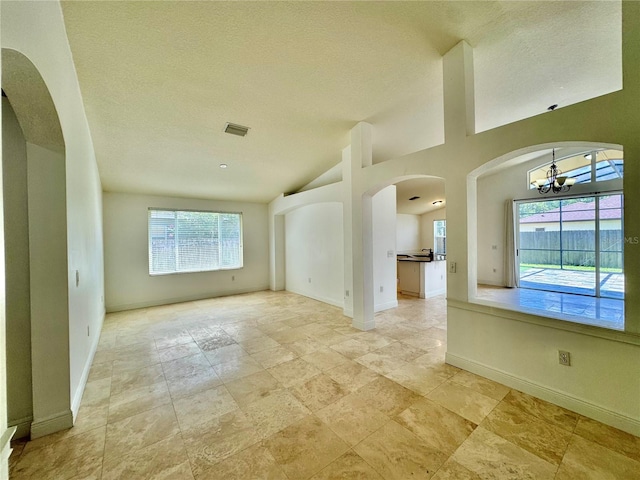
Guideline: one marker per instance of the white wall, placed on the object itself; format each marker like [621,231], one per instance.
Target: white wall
[493,192]
[602,381]
[314,252]
[18,308]
[50,320]
[385,292]
[36,29]
[426,226]
[127,280]
[6,433]
[407,233]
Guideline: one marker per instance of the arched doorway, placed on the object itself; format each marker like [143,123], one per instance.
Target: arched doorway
[373,257]
[565,247]
[35,233]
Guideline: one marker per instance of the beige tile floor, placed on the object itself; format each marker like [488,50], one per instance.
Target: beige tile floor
[277,386]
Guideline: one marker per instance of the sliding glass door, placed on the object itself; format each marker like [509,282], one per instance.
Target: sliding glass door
[572,245]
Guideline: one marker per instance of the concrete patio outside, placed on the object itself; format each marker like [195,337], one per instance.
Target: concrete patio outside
[572,281]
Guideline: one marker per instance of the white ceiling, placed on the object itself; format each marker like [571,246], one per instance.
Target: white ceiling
[428,189]
[160,80]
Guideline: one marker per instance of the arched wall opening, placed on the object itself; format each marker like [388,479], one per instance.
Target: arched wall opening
[35,226]
[380,244]
[493,233]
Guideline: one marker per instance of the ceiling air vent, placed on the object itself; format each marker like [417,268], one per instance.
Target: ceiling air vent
[234,129]
[414,198]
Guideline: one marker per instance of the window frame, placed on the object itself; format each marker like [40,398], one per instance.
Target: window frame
[436,236]
[180,272]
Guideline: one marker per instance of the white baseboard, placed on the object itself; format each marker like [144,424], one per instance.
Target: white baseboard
[365,326]
[435,293]
[22,427]
[5,451]
[575,404]
[52,424]
[320,298]
[493,283]
[385,306]
[77,397]
[188,298]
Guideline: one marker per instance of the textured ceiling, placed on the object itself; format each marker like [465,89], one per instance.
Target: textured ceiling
[160,80]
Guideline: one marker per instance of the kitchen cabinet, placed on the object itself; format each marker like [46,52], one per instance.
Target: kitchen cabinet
[409,278]
[422,279]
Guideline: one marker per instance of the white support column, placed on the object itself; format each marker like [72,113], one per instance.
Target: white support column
[459,100]
[459,116]
[358,221]
[631,144]
[347,215]
[276,251]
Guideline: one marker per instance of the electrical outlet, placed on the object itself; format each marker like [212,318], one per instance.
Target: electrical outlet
[494,270]
[390,254]
[381,289]
[233,278]
[347,293]
[77,278]
[452,267]
[564,358]
[494,247]
[309,279]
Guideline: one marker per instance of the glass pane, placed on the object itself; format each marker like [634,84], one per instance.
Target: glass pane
[577,166]
[197,241]
[611,247]
[230,240]
[536,259]
[440,236]
[609,165]
[539,243]
[162,226]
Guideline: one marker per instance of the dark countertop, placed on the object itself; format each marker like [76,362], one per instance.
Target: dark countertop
[409,258]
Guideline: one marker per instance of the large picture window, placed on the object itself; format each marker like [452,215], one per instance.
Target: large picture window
[193,241]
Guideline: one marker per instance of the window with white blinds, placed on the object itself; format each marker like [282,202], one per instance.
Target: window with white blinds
[193,241]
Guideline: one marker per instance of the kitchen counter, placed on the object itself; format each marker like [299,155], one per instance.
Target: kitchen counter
[419,257]
[422,277]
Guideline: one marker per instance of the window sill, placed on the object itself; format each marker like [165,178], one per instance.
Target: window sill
[560,322]
[195,271]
